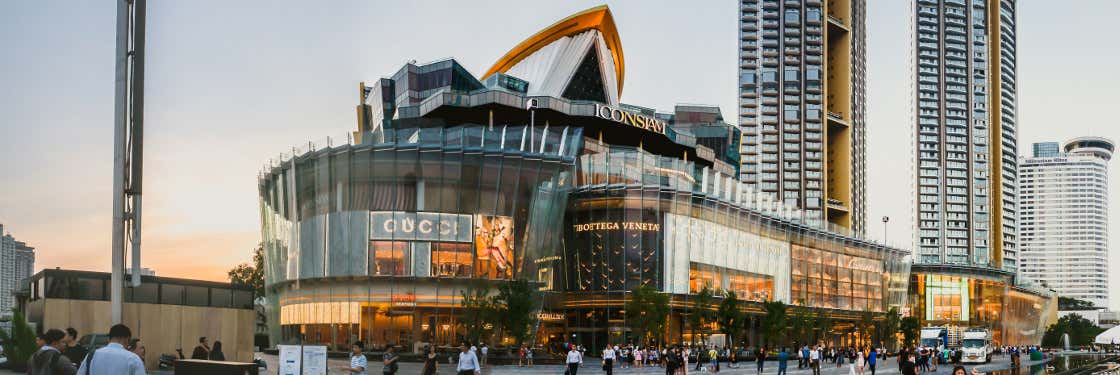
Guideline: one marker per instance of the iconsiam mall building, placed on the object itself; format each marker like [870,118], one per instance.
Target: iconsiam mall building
[535,171]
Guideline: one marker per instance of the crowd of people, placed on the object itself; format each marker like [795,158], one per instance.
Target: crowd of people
[61,353]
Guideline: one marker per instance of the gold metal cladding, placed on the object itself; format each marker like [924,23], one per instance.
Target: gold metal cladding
[597,18]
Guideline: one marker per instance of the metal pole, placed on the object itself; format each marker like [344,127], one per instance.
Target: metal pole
[120,119]
[136,161]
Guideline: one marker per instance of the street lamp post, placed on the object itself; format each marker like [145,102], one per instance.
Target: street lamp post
[886,219]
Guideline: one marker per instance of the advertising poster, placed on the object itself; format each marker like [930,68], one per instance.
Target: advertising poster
[314,360]
[493,240]
[290,359]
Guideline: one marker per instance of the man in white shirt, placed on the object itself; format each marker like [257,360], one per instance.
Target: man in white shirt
[574,361]
[815,360]
[485,352]
[113,359]
[468,362]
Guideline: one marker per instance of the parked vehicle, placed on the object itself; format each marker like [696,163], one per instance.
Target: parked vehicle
[976,346]
[935,338]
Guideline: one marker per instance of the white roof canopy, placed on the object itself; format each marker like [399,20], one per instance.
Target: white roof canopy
[1111,336]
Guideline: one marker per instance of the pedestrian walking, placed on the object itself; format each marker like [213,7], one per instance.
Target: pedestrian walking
[574,361]
[861,362]
[468,361]
[761,358]
[429,361]
[871,359]
[49,360]
[782,358]
[358,360]
[529,356]
[74,351]
[389,362]
[608,360]
[815,360]
[113,359]
[485,351]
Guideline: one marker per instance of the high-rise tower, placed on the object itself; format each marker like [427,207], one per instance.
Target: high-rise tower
[965,132]
[1064,218]
[801,105]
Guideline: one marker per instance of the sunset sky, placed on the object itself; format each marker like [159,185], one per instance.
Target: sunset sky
[232,84]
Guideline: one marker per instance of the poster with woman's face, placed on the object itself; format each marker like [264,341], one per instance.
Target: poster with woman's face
[493,239]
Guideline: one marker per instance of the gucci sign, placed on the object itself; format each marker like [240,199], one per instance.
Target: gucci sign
[420,226]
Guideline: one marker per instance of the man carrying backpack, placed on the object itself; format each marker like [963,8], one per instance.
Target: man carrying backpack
[49,360]
[113,359]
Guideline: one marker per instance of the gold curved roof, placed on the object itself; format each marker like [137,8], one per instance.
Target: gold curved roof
[598,18]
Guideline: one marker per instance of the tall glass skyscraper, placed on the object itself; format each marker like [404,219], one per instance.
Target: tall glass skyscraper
[1064,217]
[965,127]
[801,105]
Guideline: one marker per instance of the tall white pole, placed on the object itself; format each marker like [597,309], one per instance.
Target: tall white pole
[120,123]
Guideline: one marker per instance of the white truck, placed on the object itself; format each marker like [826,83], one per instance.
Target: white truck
[935,338]
[976,346]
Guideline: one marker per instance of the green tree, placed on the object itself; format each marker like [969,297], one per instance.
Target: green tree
[516,300]
[910,331]
[251,274]
[800,327]
[1067,303]
[823,326]
[478,309]
[774,323]
[1081,331]
[866,327]
[19,345]
[730,317]
[700,313]
[647,312]
[888,329]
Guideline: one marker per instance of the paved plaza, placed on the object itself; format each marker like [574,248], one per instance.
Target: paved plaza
[591,366]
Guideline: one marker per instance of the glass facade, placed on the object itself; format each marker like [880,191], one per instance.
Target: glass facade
[968,298]
[370,241]
[637,218]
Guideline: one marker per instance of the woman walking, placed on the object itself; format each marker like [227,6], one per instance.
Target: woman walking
[860,363]
[430,361]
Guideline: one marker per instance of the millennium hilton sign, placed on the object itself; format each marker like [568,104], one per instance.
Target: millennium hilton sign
[629,118]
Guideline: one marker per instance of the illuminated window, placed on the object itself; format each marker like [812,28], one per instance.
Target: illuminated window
[389,258]
[451,259]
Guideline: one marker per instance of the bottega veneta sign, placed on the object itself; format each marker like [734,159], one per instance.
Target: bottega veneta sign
[630,118]
[616,225]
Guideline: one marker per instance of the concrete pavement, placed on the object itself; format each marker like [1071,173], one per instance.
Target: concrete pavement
[592,366]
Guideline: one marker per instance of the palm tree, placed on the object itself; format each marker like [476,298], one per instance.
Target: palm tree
[700,313]
[730,316]
[774,323]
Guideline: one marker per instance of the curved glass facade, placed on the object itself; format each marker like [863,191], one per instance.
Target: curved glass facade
[636,218]
[372,241]
[961,298]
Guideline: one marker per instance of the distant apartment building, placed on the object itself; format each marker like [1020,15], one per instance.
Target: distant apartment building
[17,261]
[964,65]
[802,100]
[1063,219]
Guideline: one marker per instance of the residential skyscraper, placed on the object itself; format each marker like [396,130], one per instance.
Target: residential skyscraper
[1064,218]
[965,128]
[17,261]
[801,105]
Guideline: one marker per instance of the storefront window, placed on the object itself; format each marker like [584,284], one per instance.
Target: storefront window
[836,280]
[389,258]
[451,259]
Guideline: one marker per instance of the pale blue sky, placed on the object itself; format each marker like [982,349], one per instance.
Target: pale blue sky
[232,84]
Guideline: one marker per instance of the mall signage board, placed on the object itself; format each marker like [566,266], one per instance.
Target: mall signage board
[625,117]
[420,226]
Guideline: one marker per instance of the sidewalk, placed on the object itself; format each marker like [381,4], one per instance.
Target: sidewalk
[591,366]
